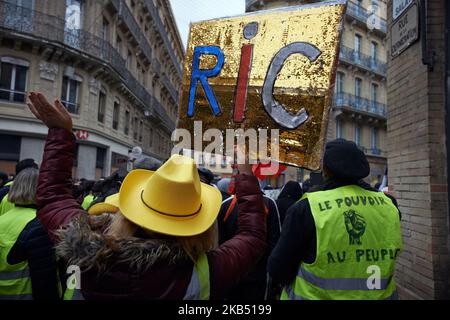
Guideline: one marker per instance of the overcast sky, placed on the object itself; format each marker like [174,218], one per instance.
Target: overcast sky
[187,11]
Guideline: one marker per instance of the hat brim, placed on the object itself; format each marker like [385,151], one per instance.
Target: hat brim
[110,205]
[113,200]
[132,207]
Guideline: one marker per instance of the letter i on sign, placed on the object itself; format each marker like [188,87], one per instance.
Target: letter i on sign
[240,101]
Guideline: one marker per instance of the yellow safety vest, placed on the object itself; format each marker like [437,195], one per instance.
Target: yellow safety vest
[15,281]
[358,241]
[87,201]
[5,205]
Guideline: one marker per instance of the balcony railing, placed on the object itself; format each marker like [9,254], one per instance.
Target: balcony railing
[162,31]
[169,86]
[125,14]
[360,104]
[361,147]
[365,61]
[363,15]
[51,28]
[372,151]
[376,151]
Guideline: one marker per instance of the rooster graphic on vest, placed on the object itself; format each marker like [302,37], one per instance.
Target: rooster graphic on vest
[355,225]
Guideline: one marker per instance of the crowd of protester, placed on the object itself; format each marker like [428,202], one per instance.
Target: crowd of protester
[167,231]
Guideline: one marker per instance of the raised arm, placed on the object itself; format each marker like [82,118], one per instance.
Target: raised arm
[235,258]
[56,204]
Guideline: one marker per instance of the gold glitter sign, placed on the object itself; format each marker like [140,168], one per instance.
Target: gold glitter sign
[268,70]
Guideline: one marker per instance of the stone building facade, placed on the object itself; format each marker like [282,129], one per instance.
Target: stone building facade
[115,65]
[418,141]
[359,110]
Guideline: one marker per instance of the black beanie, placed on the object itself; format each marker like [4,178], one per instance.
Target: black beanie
[25,163]
[345,160]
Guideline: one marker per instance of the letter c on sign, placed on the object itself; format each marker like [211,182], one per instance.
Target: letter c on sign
[276,110]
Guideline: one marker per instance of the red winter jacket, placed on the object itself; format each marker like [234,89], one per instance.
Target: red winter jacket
[142,268]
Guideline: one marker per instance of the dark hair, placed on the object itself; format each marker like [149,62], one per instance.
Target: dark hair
[25,163]
[206,175]
[306,185]
[291,189]
[109,186]
[3,176]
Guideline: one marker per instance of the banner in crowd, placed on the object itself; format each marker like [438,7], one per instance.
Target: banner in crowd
[268,70]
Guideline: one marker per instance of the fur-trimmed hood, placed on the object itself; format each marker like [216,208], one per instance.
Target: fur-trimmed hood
[83,243]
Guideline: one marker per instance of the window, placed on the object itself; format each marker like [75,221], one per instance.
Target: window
[105,30]
[374,51]
[338,128]
[119,45]
[100,159]
[358,86]
[101,106]
[116,115]
[358,135]
[138,65]
[70,92]
[212,160]
[135,128]
[129,60]
[223,163]
[141,127]
[144,78]
[358,40]
[10,147]
[13,79]
[73,14]
[340,82]
[374,95]
[374,140]
[150,140]
[126,128]
[118,161]
[18,12]
[158,142]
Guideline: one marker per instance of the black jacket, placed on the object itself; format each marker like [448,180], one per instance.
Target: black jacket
[35,246]
[298,239]
[254,286]
[4,191]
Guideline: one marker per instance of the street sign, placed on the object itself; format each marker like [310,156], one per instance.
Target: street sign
[405,31]
[399,6]
[82,134]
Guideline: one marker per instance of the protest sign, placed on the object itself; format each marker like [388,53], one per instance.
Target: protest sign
[272,70]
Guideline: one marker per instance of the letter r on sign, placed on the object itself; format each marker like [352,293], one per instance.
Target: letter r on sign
[202,75]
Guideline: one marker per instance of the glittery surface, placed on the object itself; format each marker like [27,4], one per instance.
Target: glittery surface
[300,83]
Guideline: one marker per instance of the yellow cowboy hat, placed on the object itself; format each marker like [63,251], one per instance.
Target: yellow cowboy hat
[171,200]
[110,205]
